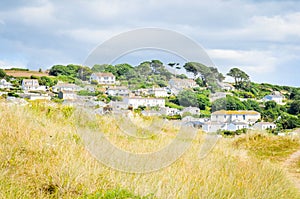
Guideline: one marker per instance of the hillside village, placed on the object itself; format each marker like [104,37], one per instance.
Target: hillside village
[204,101]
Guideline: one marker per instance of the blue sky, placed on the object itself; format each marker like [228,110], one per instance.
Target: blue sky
[260,37]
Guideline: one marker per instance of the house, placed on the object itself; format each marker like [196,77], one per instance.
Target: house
[5,84]
[158,92]
[118,91]
[191,110]
[37,96]
[30,84]
[224,116]
[234,126]
[218,95]
[278,98]
[90,88]
[67,95]
[169,111]
[177,85]
[211,127]
[226,86]
[150,113]
[118,105]
[103,78]
[264,126]
[66,87]
[135,102]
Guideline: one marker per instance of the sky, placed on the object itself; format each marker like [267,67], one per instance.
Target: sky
[260,37]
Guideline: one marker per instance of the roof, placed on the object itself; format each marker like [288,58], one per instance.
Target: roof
[104,74]
[239,112]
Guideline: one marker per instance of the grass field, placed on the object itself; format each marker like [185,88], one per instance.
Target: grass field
[16,73]
[42,156]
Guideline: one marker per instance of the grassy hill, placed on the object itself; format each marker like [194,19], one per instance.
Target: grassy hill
[25,73]
[42,156]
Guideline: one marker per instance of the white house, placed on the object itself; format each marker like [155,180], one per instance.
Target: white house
[192,110]
[169,111]
[135,102]
[5,84]
[264,125]
[118,105]
[211,127]
[32,85]
[277,98]
[118,91]
[67,95]
[177,85]
[226,86]
[232,116]
[66,87]
[103,78]
[234,126]
[158,92]
[218,95]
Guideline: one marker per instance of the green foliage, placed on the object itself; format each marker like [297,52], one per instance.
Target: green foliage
[114,194]
[187,98]
[228,103]
[181,76]
[294,107]
[86,93]
[172,105]
[2,73]
[71,70]
[115,98]
[241,79]
[287,121]
[227,133]
[99,68]
[209,75]
[252,105]
[12,94]
[19,69]
[47,81]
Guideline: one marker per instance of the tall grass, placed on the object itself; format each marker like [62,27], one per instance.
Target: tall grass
[42,156]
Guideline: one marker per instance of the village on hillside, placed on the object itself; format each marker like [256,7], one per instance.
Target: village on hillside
[213,106]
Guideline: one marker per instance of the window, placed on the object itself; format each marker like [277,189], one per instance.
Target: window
[244,117]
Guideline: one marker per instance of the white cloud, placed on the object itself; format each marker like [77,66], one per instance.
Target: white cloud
[5,64]
[256,62]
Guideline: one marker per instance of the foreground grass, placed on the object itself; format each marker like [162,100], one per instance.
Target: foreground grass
[268,146]
[42,156]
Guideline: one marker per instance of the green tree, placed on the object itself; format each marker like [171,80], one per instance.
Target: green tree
[187,98]
[240,77]
[2,73]
[228,103]
[295,107]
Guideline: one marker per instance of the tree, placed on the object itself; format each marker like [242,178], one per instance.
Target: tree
[2,73]
[240,77]
[187,98]
[228,103]
[295,107]
[210,76]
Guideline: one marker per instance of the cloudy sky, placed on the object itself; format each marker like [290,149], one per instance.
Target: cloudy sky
[260,37]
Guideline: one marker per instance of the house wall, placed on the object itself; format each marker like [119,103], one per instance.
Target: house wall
[103,79]
[150,102]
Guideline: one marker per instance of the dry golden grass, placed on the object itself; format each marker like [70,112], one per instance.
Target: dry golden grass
[16,73]
[42,156]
